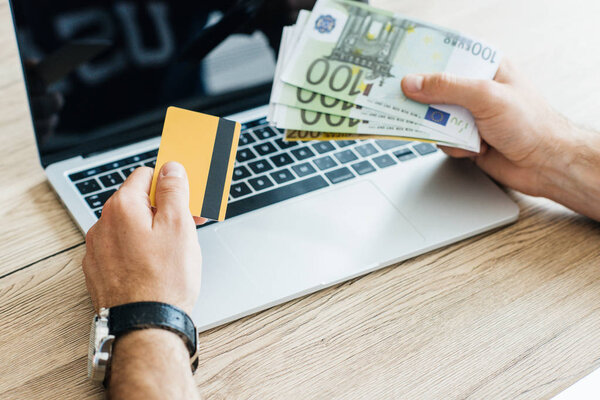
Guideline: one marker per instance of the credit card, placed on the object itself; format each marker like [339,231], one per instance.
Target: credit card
[206,146]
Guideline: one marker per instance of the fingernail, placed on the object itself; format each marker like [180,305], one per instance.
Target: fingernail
[413,83]
[173,168]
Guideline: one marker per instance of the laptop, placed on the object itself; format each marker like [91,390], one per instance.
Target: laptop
[302,216]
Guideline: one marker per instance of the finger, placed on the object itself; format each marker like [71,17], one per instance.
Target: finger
[477,95]
[200,220]
[457,153]
[462,153]
[506,72]
[139,180]
[132,200]
[172,193]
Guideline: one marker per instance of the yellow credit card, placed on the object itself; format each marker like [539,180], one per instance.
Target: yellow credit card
[206,146]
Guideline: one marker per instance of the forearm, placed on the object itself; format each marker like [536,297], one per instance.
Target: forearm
[151,364]
[572,173]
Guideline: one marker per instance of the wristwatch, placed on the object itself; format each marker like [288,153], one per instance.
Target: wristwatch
[110,323]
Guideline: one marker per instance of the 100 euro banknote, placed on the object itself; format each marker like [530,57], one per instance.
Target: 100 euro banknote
[299,101]
[286,117]
[299,98]
[359,55]
[292,135]
[283,93]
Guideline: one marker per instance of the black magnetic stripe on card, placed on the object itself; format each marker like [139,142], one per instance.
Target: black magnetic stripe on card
[217,174]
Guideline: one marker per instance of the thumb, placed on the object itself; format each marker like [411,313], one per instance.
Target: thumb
[476,95]
[172,192]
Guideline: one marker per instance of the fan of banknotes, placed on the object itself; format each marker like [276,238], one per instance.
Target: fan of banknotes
[340,67]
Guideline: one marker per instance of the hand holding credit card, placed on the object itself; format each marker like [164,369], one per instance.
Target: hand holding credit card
[206,146]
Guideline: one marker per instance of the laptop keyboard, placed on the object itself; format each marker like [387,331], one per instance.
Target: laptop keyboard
[267,169]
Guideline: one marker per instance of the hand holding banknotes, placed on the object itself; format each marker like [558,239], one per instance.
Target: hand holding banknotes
[339,70]
[526,145]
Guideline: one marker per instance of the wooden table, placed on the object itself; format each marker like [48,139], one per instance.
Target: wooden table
[513,313]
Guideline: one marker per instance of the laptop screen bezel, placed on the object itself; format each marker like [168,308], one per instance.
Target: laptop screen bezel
[220,105]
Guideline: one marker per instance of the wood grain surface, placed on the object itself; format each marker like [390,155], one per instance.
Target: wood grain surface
[513,313]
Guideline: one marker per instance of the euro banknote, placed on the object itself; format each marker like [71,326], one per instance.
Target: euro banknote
[358,54]
[292,135]
[286,117]
[289,38]
[287,94]
[283,93]
[299,98]
[309,102]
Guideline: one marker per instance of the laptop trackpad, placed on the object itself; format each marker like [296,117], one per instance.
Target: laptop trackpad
[319,239]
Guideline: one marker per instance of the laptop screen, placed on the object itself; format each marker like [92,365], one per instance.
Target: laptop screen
[101,73]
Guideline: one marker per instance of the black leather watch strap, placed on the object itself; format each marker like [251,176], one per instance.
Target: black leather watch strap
[149,314]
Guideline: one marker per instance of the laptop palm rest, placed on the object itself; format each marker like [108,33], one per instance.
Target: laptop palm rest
[300,246]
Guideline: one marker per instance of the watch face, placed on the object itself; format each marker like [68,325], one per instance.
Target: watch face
[100,347]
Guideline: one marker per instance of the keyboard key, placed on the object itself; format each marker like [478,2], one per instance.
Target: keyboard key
[363,167]
[151,164]
[384,161]
[282,176]
[285,145]
[390,144]
[324,163]
[366,150]
[281,159]
[323,147]
[404,154]
[303,153]
[260,166]
[304,169]
[346,156]
[98,200]
[265,148]
[339,175]
[113,165]
[245,139]
[425,148]
[133,159]
[239,189]
[98,213]
[240,172]
[129,160]
[256,122]
[345,143]
[275,196]
[111,179]
[245,155]
[150,154]
[264,133]
[86,174]
[127,171]
[262,182]
[88,186]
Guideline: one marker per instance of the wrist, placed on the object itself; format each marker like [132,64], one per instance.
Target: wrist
[149,362]
[556,158]
[133,320]
[144,339]
[570,174]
